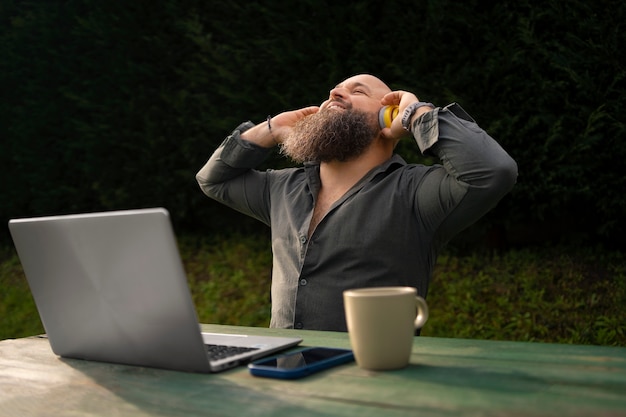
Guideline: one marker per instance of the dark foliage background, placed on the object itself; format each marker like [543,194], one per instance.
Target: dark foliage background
[116,104]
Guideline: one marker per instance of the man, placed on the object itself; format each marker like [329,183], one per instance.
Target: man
[356,215]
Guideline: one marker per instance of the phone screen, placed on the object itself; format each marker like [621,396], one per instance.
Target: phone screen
[303,358]
[300,364]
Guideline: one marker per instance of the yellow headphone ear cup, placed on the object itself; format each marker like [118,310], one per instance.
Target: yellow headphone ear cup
[386,115]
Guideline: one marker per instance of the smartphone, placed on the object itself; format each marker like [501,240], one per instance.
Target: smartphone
[300,364]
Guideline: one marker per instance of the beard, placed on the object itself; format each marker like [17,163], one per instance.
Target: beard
[330,135]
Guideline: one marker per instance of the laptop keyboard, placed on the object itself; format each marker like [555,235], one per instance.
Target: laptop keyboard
[217,352]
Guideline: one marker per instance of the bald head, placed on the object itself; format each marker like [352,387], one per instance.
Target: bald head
[376,86]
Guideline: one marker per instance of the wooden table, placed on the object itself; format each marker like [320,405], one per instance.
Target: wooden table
[447,377]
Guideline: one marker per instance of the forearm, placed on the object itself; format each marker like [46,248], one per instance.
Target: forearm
[232,158]
[230,178]
[261,135]
[245,149]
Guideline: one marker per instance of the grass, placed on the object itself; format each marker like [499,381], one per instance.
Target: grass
[229,279]
[535,294]
[18,314]
[544,295]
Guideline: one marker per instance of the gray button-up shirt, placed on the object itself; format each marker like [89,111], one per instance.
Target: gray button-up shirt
[386,230]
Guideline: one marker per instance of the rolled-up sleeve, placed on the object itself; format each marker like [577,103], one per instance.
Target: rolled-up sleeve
[229,176]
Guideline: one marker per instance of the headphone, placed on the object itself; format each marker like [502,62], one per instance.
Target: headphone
[386,115]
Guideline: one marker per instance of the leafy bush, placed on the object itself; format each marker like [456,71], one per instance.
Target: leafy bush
[116,105]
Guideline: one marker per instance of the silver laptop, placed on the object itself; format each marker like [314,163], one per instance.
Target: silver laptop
[111,287]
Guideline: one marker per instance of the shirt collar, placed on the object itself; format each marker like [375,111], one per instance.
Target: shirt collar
[312,171]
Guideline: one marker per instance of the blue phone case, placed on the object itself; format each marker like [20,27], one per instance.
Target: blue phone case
[301,363]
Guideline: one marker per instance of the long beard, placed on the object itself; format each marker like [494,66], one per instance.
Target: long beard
[330,136]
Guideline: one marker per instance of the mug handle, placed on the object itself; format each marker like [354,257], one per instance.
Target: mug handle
[422,312]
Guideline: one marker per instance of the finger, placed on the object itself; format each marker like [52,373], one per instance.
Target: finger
[399,98]
[386,133]
[307,111]
[393,134]
[288,118]
[406,99]
[391,98]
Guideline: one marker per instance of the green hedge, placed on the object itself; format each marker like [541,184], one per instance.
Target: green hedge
[116,104]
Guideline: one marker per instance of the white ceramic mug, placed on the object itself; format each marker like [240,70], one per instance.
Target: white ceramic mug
[381,325]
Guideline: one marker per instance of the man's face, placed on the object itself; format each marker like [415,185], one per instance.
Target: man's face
[361,92]
[345,125]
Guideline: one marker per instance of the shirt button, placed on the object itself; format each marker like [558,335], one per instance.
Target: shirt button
[303,281]
[302,239]
[299,325]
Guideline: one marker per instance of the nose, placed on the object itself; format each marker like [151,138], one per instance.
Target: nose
[338,92]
